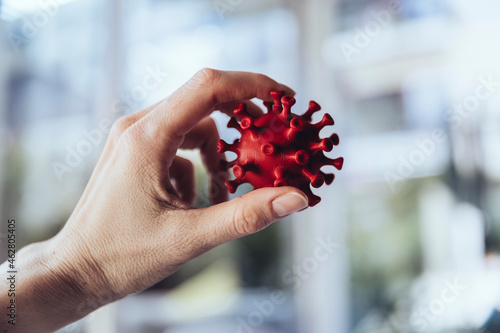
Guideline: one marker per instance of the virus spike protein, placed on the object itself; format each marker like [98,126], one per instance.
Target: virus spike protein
[281,148]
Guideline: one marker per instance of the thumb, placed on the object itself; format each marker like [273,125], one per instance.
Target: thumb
[250,213]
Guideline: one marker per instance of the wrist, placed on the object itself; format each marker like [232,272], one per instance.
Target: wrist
[51,291]
[76,276]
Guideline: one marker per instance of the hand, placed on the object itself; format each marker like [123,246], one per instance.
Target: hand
[133,225]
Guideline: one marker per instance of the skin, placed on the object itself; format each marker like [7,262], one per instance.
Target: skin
[132,227]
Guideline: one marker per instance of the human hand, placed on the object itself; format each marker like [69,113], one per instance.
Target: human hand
[133,225]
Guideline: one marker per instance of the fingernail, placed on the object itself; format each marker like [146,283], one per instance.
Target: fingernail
[289,203]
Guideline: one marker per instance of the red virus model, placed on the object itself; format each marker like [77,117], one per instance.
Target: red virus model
[280,148]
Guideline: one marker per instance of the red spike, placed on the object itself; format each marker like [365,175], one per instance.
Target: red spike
[313,199]
[335,139]
[278,182]
[239,170]
[224,165]
[313,108]
[324,145]
[223,146]
[329,177]
[337,163]
[325,121]
[276,95]
[241,110]
[269,106]
[279,171]
[296,126]
[301,157]
[246,123]
[288,102]
[268,148]
[316,180]
[232,185]
[233,123]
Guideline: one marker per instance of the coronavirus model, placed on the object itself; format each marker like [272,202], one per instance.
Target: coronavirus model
[280,148]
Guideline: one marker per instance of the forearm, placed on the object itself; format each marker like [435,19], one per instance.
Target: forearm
[49,292]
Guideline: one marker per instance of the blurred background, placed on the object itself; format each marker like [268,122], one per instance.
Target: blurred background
[407,239]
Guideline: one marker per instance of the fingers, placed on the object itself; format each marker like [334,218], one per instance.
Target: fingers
[205,136]
[248,214]
[182,172]
[196,99]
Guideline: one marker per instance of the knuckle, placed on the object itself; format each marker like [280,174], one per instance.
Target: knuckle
[206,76]
[248,221]
[207,79]
[263,77]
[129,137]
[121,125]
[132,145]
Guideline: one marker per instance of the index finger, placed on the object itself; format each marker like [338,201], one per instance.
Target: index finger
[201,95]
